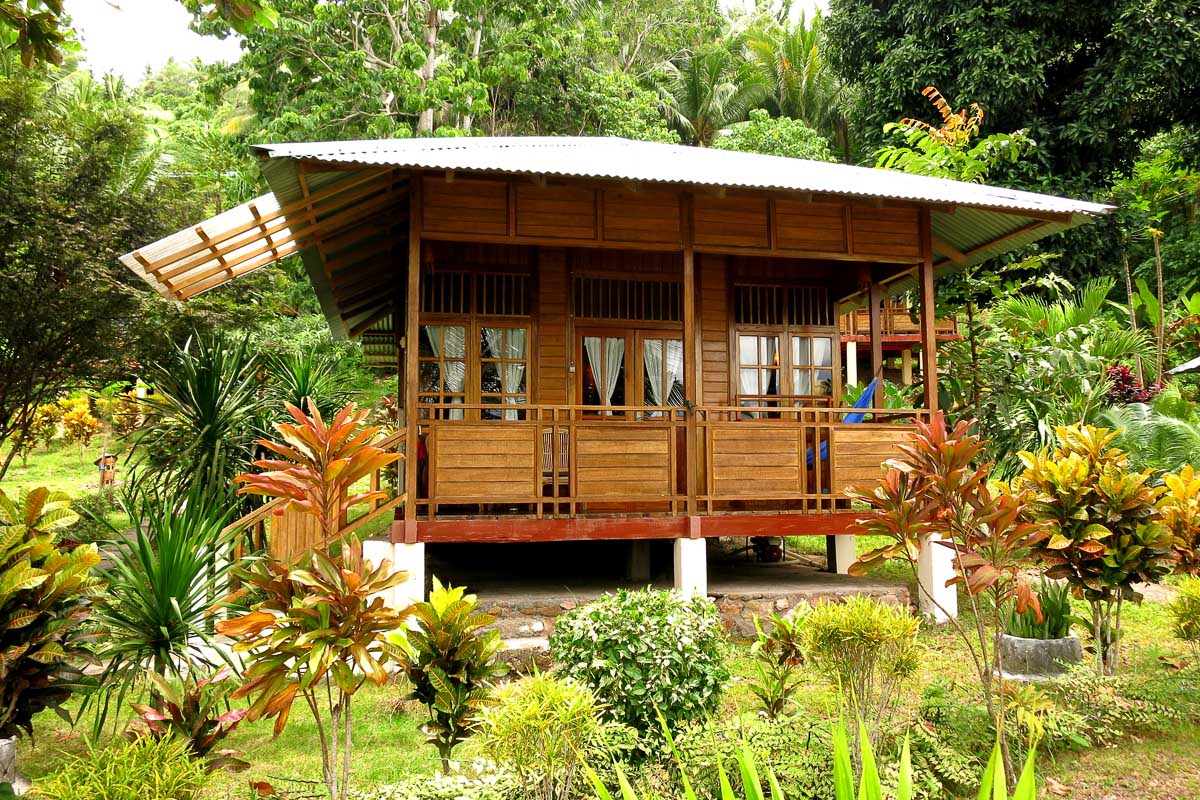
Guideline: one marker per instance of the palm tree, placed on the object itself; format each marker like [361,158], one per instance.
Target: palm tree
[801,83]
[705,92]
[1162,435]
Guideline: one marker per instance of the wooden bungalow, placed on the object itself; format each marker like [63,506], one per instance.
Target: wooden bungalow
[610,339]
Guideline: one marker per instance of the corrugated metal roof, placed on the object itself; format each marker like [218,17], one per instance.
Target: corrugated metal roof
[629,160]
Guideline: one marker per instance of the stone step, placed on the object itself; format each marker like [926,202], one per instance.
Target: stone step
[522,655]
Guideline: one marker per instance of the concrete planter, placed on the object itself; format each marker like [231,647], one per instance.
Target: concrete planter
[1039,657]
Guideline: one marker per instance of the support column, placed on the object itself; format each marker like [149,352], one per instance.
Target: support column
[691,356]
[691,567]
[906,366]
[928,314]
[408,558]
[840,553]
[852,363]
[874,298]
[934,568]
[639,561]
[412,334]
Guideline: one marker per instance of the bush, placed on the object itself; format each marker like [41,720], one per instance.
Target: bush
[1185,614]
[778,656]
[488,786]
[1055,601]
[645,652]
[148,769]
[865,649]
[544,728]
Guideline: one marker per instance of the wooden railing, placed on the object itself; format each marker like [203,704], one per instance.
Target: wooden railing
[567,461]
[894,319]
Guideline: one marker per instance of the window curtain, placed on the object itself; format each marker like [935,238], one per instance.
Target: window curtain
[653,357]
[608,355]
[674,372]
[454,373]
[512,374]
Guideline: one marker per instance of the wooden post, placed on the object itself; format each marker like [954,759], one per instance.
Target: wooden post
[852,363]
[906,371]
[873,298]
[412,334]
[691,360]
[928,314]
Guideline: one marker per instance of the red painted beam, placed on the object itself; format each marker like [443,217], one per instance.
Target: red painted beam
[900,338]
[831,524]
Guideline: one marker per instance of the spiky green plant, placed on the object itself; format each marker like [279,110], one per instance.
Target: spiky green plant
[451,662]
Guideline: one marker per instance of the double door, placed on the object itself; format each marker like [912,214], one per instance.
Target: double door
[617,369]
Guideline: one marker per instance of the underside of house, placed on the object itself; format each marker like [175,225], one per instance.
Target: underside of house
[607,339]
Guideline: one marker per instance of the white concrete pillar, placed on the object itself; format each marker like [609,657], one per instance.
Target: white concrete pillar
[409,558]
[639,560]
[852,363]
[844,553]
[691,567]
[934,568]
[906,366]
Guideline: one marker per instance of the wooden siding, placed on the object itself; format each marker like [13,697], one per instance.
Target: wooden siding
[618,461]
[485,461]
[642,217]
[560,212]
[731,221]
[811,226]
[755,460]
[551,382]
[478,206]
[885,232]
[715,357]
[860,450]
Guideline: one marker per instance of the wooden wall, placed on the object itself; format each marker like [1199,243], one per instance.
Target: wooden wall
[715,358]
[551,378]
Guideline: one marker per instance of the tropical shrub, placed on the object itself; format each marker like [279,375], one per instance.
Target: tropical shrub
[146,769]
[778,657]
[197,711]
[79,427]
[644,653]
[1107,532]
[1163,434]
[1124,387]
[486,786]
[450,660]
[1054,597]
[309,379]
[934,494]
[866,650]
[162,576]
[1180,507]
[1185,614]
[319,633]
[542,729]
[47,591]
[779,136]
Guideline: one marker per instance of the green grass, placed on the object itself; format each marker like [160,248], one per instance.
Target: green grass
[62,468]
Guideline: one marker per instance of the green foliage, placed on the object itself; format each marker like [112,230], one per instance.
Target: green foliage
[195,710]
[161,577]
[490,786]
[707,91]
[46,593]
[146,769]
[779,136]
[319,632]
[778,656]
[644,653]
[1185,614]
[1180,507]
[1106,531]
[542,729]
[309,378]
[1054,599]
[451,663]
[1162,435]
[868,651]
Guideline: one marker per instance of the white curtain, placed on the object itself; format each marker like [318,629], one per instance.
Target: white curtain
[454,373]
[512,374]
[652,357]
[674,388]
[606,355]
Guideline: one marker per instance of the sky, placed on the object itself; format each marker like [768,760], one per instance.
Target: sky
[126,36]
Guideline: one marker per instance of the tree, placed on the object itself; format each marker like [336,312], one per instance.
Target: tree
[705,92]
[79,186]
[780,136]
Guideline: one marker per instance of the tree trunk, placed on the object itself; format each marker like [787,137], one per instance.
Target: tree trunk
[433,22]
[973,338]
[1133,323]
[1162,308]
[475,48]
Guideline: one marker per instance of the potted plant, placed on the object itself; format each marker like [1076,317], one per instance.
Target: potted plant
[1041,648]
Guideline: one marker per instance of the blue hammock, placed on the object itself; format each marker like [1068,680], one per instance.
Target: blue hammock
[863,402]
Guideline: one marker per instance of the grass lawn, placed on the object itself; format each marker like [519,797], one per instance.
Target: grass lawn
[62,468]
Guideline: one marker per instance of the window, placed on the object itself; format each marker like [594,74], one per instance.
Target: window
[758,367]
[804,369]
[503,368]
[442,368]
[603,375]
[812,366]
[662,372]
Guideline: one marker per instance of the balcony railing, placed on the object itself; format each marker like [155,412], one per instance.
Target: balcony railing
[894,320]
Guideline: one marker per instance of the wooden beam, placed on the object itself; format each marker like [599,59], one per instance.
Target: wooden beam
[951,252]
[691,350]
[874,301]
[928,314]
[412,334]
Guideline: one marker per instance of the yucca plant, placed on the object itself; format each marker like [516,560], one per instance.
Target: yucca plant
[46,592]
[308,379]
[450,660]
[320,633]
[162,576]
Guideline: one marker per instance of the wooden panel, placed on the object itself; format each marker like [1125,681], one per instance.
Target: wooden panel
[810,226]
[714,331]
[622,461]
[564,212]
[860,450]
[731,221]
[775,464]
[484,461]
[293,533]
[550,382]
[885,232]
[642,216]
[465,206]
